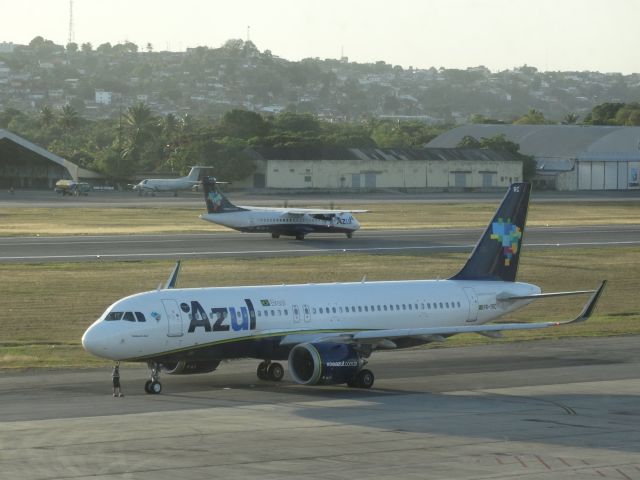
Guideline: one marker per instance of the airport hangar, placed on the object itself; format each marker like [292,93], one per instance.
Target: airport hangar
[23,164]
[382,168]
[568,157]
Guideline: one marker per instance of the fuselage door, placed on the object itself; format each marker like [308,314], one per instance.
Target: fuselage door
[296,314]
[174,316]
[473,304]
[307,313]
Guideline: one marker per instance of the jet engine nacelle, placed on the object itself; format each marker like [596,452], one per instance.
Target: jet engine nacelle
[186,368]
[324,363]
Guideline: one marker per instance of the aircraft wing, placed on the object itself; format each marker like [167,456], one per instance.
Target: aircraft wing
[300,211]
[385,338]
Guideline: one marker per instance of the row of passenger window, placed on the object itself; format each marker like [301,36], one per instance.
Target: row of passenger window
[366,308]
[128,316]
[387,308]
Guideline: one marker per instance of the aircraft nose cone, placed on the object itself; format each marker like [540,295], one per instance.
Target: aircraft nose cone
[90,341]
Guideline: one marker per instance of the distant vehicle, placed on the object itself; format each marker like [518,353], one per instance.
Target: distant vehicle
[156,185]
[293,222]
[72,188]
[325,331]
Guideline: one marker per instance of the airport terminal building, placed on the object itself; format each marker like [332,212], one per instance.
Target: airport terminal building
[23,164]
[568,157]
[380,168]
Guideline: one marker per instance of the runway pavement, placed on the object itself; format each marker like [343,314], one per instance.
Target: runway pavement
[537,410]
[137,247]
[127,199]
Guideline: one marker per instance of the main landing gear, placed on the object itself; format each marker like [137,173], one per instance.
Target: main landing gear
[363,379]
[270,371]
[153,385]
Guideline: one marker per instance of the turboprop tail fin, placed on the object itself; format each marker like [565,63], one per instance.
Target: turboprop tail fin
[215,200]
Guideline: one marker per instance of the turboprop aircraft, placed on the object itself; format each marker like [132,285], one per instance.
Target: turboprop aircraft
[294,222]
[326,332]
[156,185]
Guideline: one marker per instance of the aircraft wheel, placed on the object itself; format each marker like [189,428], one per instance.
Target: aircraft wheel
[365,378]
[349,235]
[147,386]
[352,382]
[262,371]
[275,235]
[300,236]
[155,388]
[276,372]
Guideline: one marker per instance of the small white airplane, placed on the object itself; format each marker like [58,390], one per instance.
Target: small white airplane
[294,222]
[157,185]
[325,331]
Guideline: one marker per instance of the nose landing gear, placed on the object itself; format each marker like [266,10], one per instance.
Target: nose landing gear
[153,385]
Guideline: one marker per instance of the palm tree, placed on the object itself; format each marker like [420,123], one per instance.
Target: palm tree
[141,128]
[69,118]
[570,118]
[47,116]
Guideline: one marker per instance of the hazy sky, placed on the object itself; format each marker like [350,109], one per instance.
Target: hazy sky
[598,35]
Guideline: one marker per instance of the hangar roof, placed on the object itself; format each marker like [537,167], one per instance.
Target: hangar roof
[383,154]
[565,141]
[10,142]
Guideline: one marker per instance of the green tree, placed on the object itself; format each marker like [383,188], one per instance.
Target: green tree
[468,142]
[243,124]
[47,116]
[570,119]
[140,129]
[69,119]
[532,117]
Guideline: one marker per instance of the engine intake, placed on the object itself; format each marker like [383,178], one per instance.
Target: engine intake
[187,368]
[323,363]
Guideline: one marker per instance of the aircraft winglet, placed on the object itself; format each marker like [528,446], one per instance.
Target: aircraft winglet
[590,305]
[173,278]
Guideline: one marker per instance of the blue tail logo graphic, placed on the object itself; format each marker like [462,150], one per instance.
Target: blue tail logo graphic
[216,201]
[509,236]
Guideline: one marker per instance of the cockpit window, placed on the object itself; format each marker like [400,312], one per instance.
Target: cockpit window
[127,316]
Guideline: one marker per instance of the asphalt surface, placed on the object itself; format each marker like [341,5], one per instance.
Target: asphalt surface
[217,244]
[541,410]
[49,199]
[537,410]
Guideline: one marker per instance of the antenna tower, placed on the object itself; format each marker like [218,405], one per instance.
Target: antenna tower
[72,35]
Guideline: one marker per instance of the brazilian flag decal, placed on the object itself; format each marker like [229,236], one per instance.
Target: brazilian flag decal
[265,303]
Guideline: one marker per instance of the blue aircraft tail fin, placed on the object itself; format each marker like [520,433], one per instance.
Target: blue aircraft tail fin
[215,200]
[496,255]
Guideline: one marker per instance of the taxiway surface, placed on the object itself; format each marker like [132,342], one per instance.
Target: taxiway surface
[538,410]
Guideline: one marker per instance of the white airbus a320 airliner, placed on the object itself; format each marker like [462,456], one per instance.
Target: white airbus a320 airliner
[325,331]
[294,222]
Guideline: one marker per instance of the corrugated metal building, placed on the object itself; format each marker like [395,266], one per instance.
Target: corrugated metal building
[568,157]
[358,168]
